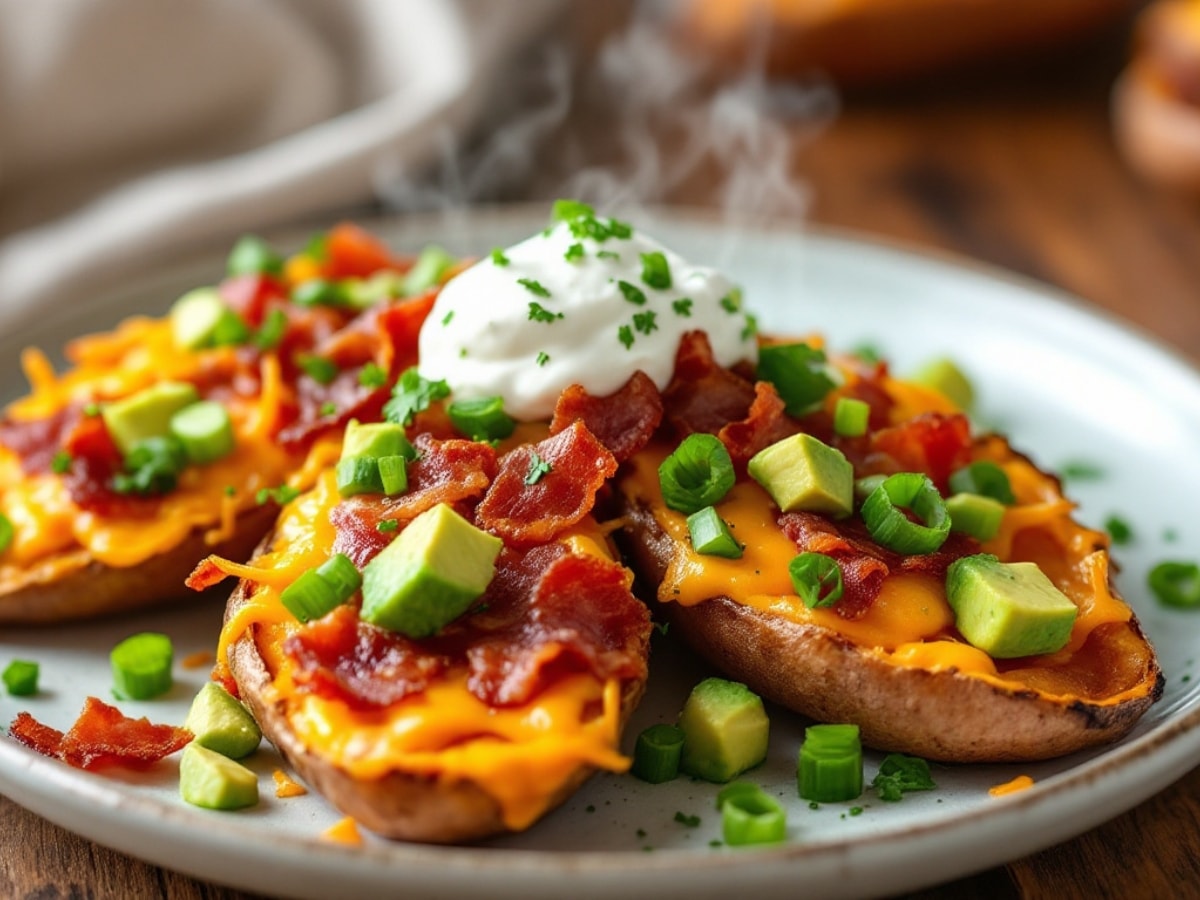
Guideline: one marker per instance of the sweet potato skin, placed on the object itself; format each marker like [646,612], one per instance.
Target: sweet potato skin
[941,716]
[400,805]
[78,587]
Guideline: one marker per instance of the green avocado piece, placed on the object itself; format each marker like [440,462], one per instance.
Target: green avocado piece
[376,440]
[976,515]
[213,781]
[948,380]
[221,723]
[801,473]
[146,414]
[429,575]
[195,317]
[1008,610]
[725,730]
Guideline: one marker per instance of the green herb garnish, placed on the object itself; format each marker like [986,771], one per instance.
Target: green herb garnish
[372,375]
[534,287]
[539,313]
[413,394]
[61,463]
[574,252]
[625,336]
[633,293]
[498,257]
[538,469]
[656,272]
[683,307]
[644,323]
[283,495]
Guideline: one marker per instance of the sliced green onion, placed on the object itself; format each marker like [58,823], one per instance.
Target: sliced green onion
[318,368]
[230,330]
[372,375]
[21,678]
[393,474]
[817,579]
[749,815]
[829,768]
[656,754]
[984,478]
[387,525]
[1176,584]
[363,293]
[711,535]
[481,420]
[205,431]
[883,512]
[341,575]
[899,774]
[141,666]
[252,255]
[656,271]
[428,270]
[319,292]
[864,487]
[152,467]
[567,210]
[309,597]
[1119,530]
[273,328]
[538,469]
[632,293]
[850,417]
[975,515]
[358,475]
[799,373]
[698,474]
[6,532]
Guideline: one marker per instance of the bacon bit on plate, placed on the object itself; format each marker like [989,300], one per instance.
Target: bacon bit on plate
[526,510]
[102,735]
[623,422]
[285,787]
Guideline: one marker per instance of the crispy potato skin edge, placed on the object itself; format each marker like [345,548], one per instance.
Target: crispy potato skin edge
[941,716]
[94,589]
[400,805]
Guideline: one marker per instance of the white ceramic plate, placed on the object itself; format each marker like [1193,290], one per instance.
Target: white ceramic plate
[1066,383]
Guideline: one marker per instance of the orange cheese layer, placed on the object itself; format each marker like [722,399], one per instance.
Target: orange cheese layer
[910,623]
[522,756]
[49,529]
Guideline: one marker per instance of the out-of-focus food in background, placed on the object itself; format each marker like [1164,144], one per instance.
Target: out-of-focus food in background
[1156,102]
[867,42]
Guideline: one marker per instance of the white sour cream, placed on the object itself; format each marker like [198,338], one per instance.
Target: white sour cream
[490,335]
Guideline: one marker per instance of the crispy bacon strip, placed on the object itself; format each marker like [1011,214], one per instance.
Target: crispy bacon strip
[865,564]
[704,396]
[765,423]
[932,443]
[623,421]
[102,736]
[526,506]
[343,657]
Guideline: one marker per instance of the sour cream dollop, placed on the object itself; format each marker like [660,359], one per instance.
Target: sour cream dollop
[562,308]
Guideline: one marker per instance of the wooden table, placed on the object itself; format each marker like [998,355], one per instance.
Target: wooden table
[1018,171]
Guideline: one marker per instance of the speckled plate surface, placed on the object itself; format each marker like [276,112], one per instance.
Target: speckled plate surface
[1065,383]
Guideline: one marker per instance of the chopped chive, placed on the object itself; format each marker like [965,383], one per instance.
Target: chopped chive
[732,302]
[498,257]
[318,368]
[656,272]
[1119,530]
[542,358]
[687,821]
[61,463]
[625,336]
[538,469]
[141,666]
[539,313]
[644,323]
[273,328]
[683,307]
[656,753]
[534,287]
[446,319]
[372,375]
[386,525]
[574,252]
[633,293]
[899,774]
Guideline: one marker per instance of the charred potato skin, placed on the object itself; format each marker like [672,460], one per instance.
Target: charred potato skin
[82,588]
[942,716]
[400,805]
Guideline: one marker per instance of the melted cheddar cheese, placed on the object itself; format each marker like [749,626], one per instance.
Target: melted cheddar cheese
[53,536]
[910,623]
[522,756]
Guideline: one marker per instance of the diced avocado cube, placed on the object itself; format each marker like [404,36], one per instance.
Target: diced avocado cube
[948,380]
[146,414]
[801,473]
[725,730]
[213,781]
[197,316]
[1008,610]
[221,723]
[430,574]
[973,514]
[375,440]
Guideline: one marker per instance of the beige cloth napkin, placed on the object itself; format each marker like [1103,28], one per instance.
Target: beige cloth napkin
[132,128]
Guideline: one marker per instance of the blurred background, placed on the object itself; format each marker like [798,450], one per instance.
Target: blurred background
[1059,139]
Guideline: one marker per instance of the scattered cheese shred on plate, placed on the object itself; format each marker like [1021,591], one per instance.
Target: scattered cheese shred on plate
[343,832]
[1020,783]
[286,787]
